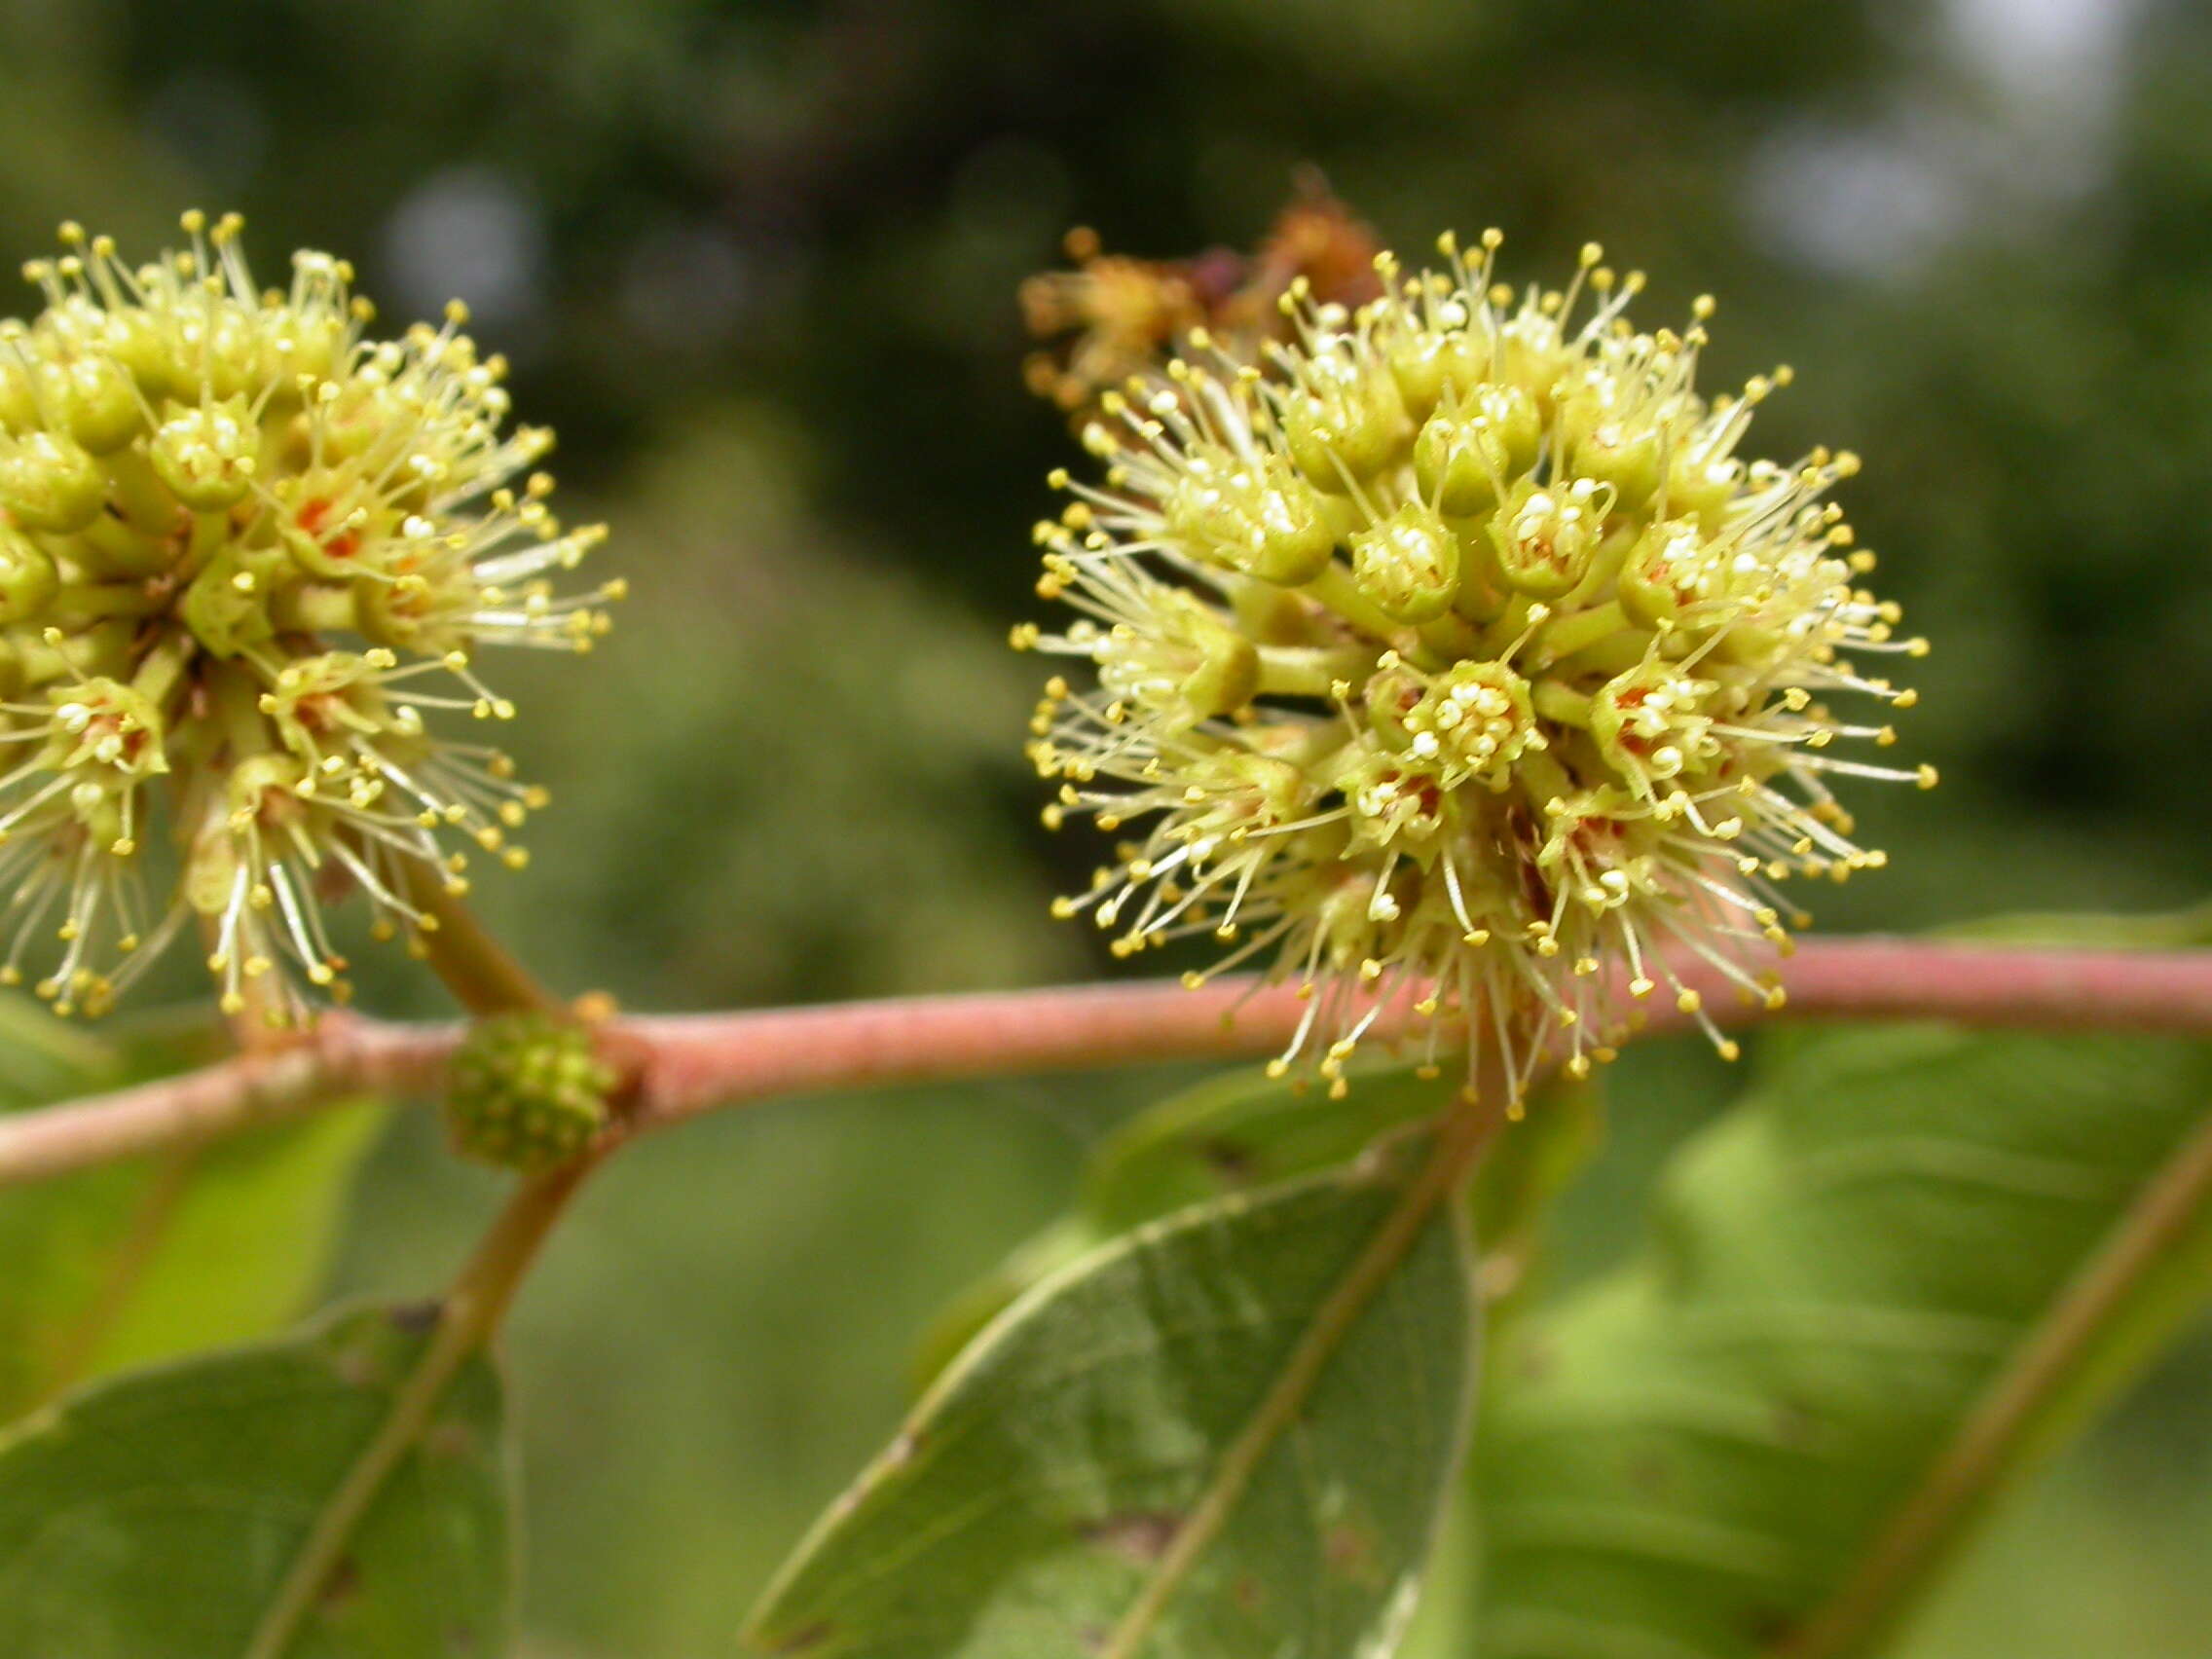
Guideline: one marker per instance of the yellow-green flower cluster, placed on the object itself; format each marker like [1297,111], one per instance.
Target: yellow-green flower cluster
[1456,655]
[246,552]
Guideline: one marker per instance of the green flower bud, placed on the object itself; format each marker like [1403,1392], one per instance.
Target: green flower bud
[526,1091]
[1466,454]
[233,360]
[312,345]
[1433,368]
[50,483]
[138,342]
[18,401]
[1629,458]
[101,402]
[29,579]
[1343,422]
[1535,354]
[1701,485]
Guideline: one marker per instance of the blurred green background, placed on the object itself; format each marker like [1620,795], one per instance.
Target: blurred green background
[756,262]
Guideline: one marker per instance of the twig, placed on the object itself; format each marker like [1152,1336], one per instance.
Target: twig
[698,1062]
[343,1056]
[693,1063]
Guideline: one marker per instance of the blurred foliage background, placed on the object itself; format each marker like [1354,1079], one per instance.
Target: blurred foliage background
[756,262]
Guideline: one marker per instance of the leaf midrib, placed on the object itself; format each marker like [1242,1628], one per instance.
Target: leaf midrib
[1911,1548]
[1461,1133]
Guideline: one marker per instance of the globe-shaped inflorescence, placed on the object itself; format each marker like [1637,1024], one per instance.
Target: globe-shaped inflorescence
[526,1091]
[1453,656]
[247,557]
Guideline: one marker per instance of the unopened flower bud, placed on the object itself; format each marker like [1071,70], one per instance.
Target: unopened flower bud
[18,397]
[1436,367]
[50,483]
[1468,454]
[1344,421]
[27,577]
[100,403]
[1701,485]
[526,1091]
[1628,459]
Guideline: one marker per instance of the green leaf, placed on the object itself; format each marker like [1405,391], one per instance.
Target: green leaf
[1704,1455]
[1245,1130]
[49,1058]
[1043,1491]
[155,1516]
[152,1257]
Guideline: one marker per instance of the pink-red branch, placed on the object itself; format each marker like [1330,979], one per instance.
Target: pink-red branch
[692,1063]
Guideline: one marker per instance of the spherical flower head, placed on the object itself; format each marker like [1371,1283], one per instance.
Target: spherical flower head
[1455,653]
[526,1091]
[249,555]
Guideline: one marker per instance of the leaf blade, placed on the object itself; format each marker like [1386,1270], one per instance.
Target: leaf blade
[1115,1392]
[1243,1130]
[139,1261]
[154,1516]
[1689,1457]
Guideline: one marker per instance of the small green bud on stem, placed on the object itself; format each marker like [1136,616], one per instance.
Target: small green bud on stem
[526,1091]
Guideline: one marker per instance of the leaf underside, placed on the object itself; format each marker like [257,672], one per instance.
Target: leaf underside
[1687,1458]
[1030,1500]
